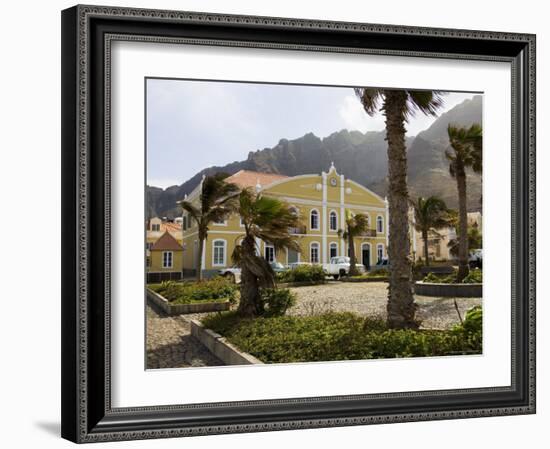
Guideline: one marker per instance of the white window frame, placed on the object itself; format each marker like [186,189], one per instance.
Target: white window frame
[241,224]
[379,246]
[331,214]
[266,247]
[330,246]
[164,253]
[318,220]
[220,223]
[155,225]
[380,219]
[318,246]
[224,246]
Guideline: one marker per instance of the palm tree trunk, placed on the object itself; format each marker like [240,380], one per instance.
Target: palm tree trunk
[462,226]
[199,260]
[401,308]
[352,264]
[426,249]
[250,302]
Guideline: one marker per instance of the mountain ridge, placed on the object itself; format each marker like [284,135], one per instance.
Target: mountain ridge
[359,156]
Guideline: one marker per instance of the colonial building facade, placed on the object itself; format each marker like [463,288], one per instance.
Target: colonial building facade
[320,200]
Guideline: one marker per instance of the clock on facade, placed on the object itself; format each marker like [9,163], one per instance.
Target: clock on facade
[333,182]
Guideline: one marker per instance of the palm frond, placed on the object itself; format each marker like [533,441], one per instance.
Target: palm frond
[369,98]
[426,101]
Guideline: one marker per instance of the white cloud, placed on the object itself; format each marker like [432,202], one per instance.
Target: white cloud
[355,118]
[163,183]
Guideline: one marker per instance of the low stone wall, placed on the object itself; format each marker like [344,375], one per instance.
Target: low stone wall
[220,347]
[178,309]
[448,290]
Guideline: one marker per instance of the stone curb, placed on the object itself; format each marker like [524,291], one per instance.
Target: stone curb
[448,290]
[220,347]
[178,309]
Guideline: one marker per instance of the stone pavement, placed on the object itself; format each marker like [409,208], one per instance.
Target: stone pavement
[170,344]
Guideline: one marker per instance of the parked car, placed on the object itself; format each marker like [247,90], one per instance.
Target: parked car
[232,274]
[294,265]
[278,267]
[339,266]
[382,264]
[475,258]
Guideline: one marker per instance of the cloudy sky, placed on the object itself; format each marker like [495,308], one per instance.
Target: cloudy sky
[192,125]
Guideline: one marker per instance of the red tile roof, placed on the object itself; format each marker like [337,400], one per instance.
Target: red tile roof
[248,178]
[170,227]
[166,242]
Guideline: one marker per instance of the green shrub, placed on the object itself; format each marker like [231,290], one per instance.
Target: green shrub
[440,279]
[277,301]
[216,288]
[302,273]
[336,336]
[471,329]
[475,276]
[382,272]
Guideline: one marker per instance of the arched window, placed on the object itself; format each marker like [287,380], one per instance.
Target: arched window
[314,252]
[333,221]
[333,250]
[314,220]
[380,251]
[218,253]
[379,224]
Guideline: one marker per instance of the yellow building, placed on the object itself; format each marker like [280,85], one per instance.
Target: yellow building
[164,259]
[319,199]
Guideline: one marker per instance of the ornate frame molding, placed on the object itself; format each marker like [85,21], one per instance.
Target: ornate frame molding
[86,204]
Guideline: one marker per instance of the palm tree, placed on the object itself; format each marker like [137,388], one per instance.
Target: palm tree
[217,200]
[466,144]
[475,240]
[430,213]
[268,219]
[398,106]
[356,224]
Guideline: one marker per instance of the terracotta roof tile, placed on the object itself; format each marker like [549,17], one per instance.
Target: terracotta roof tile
[248,178]
[166,242]
[170,227]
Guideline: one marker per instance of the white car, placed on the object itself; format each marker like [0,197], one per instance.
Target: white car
[232,274]
[475,258]
[339,266]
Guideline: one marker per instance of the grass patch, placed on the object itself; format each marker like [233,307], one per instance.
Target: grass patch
[217,289]
[338,336]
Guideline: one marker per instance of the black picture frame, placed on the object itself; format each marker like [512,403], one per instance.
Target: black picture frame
[87,415]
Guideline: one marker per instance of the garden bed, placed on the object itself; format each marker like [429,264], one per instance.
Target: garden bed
[299,284]
[193,306]
[365,279]
[336,336]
